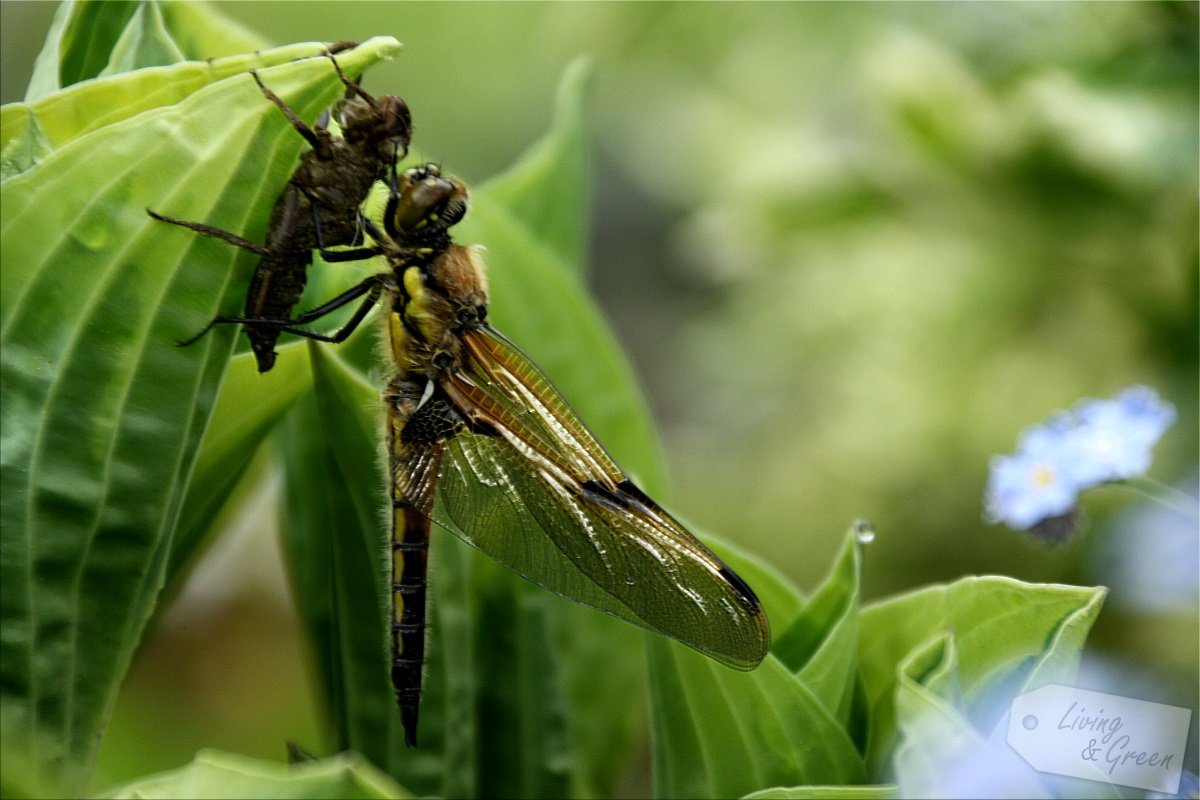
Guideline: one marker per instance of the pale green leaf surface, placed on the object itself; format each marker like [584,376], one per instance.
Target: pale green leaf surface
[101,412]
[78,45]
[821,643]
[144,42]
[248,407]
[30,131]
[875,792]
[940,753]
[202,31]
[216,774]
[88,39]
[1059,662]
[1002,628]
[723,733]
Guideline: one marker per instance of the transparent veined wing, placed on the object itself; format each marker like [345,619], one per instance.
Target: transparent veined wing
[529,485]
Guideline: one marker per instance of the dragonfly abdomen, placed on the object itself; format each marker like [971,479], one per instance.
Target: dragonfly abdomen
[414,421]
[410,560]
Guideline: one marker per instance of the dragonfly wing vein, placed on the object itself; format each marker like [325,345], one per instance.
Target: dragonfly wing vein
[549,503]
[595,554]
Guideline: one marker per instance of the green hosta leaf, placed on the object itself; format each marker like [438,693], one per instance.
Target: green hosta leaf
[144,42]
[202,31]
[1005,633]
[940,753]
[522,691]
[1059,661]
[723,733]
[30,131]
[79,44]
[227,775]
[101,413]
[880,792]
[821,643]
[951,733]
[247,409]
[91,39]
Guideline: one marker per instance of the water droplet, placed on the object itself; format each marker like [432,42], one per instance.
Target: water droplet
[864,531]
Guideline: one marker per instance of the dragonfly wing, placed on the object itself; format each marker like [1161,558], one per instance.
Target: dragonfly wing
[527,484]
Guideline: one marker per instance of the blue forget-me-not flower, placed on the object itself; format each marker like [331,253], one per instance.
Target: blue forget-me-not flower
[1095,442]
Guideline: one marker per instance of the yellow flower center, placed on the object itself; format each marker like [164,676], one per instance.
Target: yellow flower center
[1043,476]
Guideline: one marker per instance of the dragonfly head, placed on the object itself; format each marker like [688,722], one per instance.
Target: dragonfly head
[424,201]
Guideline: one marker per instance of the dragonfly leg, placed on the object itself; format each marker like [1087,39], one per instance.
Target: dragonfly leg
[372,287]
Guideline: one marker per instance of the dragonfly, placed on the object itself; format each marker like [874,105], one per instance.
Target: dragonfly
[320,206]
[482,444]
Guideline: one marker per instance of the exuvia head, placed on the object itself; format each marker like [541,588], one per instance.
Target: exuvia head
[384,122]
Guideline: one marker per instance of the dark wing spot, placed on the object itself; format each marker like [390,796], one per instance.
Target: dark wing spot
[433,422]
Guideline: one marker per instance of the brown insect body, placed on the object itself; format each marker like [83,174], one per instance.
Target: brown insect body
[468,410]
[319,208]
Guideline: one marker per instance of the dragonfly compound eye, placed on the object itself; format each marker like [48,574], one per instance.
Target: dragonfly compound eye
[426,199]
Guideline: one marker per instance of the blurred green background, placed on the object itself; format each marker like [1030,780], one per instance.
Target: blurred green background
[851,249]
